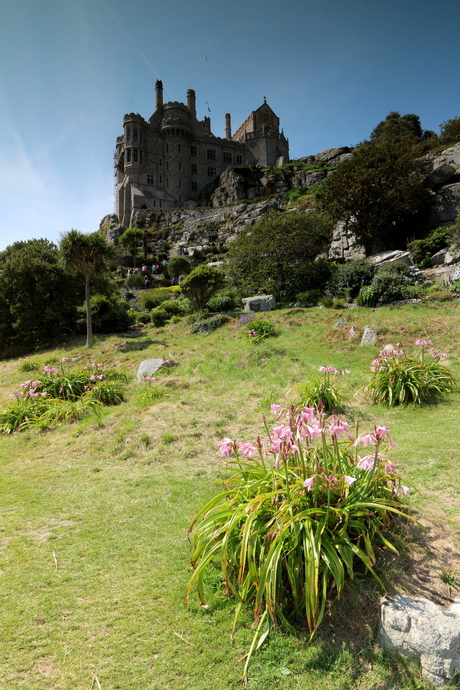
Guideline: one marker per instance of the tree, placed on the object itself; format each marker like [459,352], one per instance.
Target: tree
[202,283]
[178,265]
[38,298]
[88,254]
[379,195]
[276,253]
[398,128]
[130,239]
[450,131]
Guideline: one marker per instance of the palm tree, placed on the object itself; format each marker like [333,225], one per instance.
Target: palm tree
[88,254]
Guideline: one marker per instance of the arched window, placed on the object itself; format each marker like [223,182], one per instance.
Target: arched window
[128,133]
[135,135]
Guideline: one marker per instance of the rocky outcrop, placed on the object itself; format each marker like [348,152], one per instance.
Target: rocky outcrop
[419,629]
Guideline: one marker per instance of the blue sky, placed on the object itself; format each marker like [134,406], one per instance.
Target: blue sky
[330,69]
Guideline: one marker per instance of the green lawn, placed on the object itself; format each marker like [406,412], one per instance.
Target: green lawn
[94,558]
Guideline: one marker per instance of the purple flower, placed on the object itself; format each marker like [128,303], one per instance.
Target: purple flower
[308,483]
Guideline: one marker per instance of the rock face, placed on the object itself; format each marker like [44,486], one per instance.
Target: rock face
[419,629]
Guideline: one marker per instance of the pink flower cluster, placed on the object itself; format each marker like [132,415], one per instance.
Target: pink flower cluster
[294,439]
[49,370]
[333,370]
[423,343]
[252,333]
[96,377]
[30,390]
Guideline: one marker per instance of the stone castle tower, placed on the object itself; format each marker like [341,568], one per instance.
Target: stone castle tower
[166,162]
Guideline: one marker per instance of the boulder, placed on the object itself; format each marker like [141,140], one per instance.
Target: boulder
[419,629]
[369,336]
[440,257]
[447,205]
[329,154]
[149,366]
[441,174]
[391,255]
[259,303]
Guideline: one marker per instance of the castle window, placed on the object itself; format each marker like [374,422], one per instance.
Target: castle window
[128,155]
[194,186]
[167,148]
[211,171]
[167,165]
[161,204]
[135,137]
[193,151]
[149,179]
[227,158]
[179,166]
[178,148]
[154,203]
[211,154]
[128,133]
[161,162]
[180,184]
[239,160]
[161,178]
[193,168]
[167,181]
[140,156]
[134,155]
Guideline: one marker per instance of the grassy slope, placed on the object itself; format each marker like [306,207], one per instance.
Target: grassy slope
[93,550]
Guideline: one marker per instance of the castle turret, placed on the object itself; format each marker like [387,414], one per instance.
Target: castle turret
[228,126]
[191,102]
[158,95]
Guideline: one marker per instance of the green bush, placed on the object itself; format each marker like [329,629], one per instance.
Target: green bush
[398,379]
[109,314]
[260,329]
[224,300]
[300,515]
[309,297]
[323,391]
[347,279]
[385,288]
[150,299]
[162,314]
[422,250]
[210,324]
[202,283]
[135,282]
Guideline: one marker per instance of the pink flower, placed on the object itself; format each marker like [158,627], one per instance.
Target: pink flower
[337,428]
[381,432]
[423,343]
[366,463]
[390,467]
[402,490]
[349,480]
[283,432]
[96,377]
[439,355]
[34,384]
[308,483]
[49,370]
[278,410]
[247,449]
[331,370]
[367,440]
[227,446]
[65,359]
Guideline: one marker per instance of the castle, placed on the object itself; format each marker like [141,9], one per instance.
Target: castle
[166,162]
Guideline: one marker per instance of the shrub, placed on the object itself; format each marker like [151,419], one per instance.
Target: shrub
[301,513]
[332,302]
[224,300]
[439,296]
[398,379]
[210,324]
[178,265]
[135,282]
[422,250]
[153,298]
[323,391]
[347,279]
[261,330]
[309,297]
[109,314]
[161,315]
[385,288]
[202,283]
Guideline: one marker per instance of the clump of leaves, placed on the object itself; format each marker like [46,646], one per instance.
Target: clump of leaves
[261,330]
[398,379]
[301,513]
[323,390]
[29,366]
